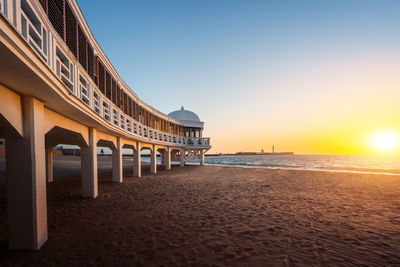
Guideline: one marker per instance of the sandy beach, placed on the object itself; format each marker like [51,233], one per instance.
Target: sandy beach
[216,216]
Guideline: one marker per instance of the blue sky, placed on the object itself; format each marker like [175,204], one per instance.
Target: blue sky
[242,64]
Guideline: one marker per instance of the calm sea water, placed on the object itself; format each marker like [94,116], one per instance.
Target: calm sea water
[340,163]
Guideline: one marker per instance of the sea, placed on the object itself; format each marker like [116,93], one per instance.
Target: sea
[381,164]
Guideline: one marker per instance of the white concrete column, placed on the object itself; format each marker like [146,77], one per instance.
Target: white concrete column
[137,164]
[202,157]
[153,160]
[182,157]
[89,166]
[49,163]
[117,162]
[168,158]
[26,181]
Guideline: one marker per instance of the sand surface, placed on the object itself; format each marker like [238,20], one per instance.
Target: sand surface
[217,216]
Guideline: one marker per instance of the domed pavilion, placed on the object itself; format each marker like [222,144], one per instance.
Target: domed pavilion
[193,132]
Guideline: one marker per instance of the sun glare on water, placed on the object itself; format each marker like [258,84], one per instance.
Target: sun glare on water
[384,141]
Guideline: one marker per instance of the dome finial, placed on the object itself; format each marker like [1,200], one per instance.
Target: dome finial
[184,115]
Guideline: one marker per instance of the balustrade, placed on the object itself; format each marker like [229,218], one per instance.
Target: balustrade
[96,102]
[115,117]
[122,122]
[40,36]
[129,125]
[64,69]
[33,31]
[140,130]
[106,111]
[84,90]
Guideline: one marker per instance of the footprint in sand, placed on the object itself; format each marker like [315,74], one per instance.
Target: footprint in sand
[219,248]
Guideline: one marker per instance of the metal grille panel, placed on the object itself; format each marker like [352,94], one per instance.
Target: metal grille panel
[56,15]
[82,49]
[71,30]
[90,61]
[108,85]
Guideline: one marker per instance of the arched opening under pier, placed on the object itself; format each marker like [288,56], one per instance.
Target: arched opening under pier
[59,142]
[148,159]
[128,153]
[105,168]
[164,159]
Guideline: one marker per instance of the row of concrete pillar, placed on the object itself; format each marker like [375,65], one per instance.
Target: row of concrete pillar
[26,173]
[89,163]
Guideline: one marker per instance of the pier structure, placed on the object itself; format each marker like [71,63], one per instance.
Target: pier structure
[58,87]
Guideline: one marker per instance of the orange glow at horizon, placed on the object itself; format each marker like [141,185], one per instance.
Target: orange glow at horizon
[369,143]
[331,108]
[325,135]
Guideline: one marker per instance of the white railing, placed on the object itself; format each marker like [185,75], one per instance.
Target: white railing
[33,30]
[122,122]
[106,111]
[84,93]
[44,42]
[198,142]
[140,132]
[65,69]
[115,117]
[96,102]
[129,125]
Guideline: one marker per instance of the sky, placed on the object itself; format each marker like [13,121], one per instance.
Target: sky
[308,76]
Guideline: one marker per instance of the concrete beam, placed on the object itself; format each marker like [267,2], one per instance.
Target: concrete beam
[26,181]
[11,110]
[79,133]
[128,143]
[160,147]
[146,146]
[106,140]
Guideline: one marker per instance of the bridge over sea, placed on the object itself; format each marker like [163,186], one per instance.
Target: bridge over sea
[58,87]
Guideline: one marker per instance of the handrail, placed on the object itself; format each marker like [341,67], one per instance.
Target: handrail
[37,31]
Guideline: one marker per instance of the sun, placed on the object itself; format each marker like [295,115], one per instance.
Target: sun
[384,141]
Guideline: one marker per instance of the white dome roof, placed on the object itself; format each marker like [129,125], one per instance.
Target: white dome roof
[184,115]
